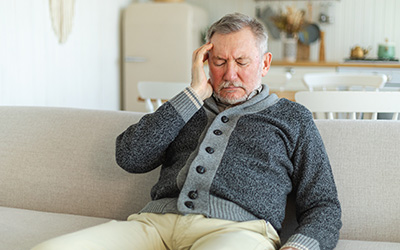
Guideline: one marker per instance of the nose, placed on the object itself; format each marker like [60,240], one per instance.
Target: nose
[230,72]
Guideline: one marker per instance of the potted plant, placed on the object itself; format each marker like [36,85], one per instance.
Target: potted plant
[290,23]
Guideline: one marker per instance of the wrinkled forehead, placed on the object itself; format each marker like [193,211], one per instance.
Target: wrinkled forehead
[237,44]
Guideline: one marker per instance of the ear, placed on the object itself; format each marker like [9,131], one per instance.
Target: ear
[266,61]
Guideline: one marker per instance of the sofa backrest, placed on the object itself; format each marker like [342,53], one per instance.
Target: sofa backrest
[62,160]
[365,159]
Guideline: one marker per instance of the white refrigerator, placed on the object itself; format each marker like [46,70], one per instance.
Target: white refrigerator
[158,40]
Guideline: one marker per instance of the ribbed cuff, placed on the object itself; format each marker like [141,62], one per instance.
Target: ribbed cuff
[195,97]
[187,103]
[302,242]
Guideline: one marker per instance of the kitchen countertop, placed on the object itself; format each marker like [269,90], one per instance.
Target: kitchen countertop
[371,64]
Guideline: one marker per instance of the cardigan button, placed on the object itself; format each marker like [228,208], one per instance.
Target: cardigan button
[200,169]
[224,119]
[189,204]
[210,150]
[193,195]
[217,132]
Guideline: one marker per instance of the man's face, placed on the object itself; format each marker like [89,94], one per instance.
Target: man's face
[236,65]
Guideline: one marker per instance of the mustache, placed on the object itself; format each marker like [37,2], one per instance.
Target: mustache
[230,84]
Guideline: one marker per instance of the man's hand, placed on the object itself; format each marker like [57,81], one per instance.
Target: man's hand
[200,83]
[289,248]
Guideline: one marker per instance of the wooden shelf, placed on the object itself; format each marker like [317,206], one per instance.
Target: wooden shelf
[336,64]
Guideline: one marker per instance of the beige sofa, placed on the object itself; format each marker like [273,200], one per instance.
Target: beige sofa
[58,175]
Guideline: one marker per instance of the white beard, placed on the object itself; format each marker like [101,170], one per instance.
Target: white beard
[230,101]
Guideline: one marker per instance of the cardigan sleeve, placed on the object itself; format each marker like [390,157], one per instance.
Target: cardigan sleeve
[317,206]
[142,146]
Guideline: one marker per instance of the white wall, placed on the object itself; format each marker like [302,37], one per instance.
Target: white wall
[83,72]
[357,22]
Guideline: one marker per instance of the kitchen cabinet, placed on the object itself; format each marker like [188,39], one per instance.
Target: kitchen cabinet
[298,69]
[393,74]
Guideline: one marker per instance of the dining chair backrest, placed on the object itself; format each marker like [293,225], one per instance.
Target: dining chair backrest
[277,81]
[344,81]
[159,92]
[331,102]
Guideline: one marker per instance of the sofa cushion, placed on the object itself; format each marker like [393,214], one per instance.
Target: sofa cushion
[22,229]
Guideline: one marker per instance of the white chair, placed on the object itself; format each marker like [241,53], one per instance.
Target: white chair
[350,102]
[344,81]
[277,81]
[159,92]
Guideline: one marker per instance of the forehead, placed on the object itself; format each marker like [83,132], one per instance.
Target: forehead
[238,44]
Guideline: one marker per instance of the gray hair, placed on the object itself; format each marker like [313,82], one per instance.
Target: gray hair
[234,22]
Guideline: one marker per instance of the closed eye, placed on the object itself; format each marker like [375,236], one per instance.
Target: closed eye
[242,62]
[219,63]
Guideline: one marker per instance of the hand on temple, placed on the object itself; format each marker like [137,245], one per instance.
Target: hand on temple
[200,83]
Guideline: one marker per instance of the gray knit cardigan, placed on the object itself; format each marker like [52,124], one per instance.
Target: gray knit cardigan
[239,164]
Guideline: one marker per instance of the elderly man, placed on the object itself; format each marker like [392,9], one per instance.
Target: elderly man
[230,153]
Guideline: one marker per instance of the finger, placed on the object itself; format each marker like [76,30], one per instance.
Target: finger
[207,47]
[202,52]
[206,54]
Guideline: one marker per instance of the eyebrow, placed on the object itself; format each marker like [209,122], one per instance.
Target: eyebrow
[218,58]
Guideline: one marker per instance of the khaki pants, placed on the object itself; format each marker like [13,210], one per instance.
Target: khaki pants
[169,232]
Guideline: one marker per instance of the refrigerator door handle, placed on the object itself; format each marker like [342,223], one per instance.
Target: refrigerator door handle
[135,59]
